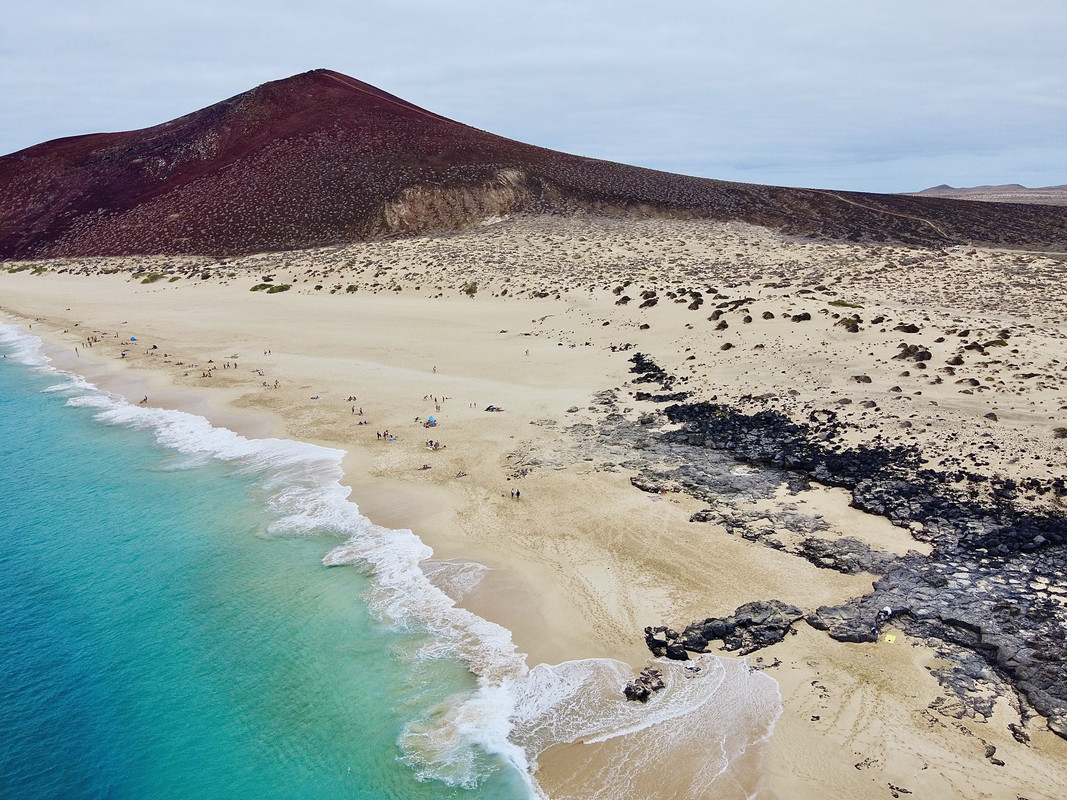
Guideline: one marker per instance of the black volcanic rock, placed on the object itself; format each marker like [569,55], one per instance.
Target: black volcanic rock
[992,585]
[751,627]
[321,159]
[641,688]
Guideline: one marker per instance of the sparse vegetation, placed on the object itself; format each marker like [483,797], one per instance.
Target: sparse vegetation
[850,324]
[271,288]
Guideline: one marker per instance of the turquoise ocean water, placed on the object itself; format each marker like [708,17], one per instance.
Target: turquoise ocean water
[168,630]
[185,613]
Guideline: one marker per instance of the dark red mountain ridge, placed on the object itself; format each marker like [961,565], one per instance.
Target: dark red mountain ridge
[321,158]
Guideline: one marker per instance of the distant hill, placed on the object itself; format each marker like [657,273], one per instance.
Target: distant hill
[321,158]
[1004,193]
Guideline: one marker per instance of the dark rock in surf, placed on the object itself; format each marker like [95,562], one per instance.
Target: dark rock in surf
[641,688]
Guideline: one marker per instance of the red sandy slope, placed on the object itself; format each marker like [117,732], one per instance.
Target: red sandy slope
[321,158]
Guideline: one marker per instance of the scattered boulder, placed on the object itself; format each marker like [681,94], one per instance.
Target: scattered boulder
[641,688]
[913,352]
[751,627]
[648,371]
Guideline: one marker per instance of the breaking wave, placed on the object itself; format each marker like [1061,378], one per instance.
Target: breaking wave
[712,709]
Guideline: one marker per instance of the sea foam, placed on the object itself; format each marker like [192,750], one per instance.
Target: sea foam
[514,713]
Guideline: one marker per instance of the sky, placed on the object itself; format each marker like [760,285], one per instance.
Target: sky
[888,96]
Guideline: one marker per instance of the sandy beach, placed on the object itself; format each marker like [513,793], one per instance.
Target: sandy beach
[518,338]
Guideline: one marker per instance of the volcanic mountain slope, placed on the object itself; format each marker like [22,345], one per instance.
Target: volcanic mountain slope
[1004,193]
[321,158]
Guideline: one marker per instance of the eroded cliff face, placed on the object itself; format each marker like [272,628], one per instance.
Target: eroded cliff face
[438,207]
[426,207]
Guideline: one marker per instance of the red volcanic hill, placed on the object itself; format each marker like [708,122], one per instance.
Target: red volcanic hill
[321,158]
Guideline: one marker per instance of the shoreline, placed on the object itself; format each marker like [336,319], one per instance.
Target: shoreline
[506,594]
[590,547]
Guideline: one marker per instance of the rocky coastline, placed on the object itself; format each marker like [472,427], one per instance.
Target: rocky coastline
[989,597]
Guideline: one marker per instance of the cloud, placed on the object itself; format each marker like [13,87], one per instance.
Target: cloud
[886,97]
